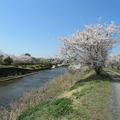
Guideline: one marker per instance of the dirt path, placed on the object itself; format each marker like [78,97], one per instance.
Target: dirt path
[115,96]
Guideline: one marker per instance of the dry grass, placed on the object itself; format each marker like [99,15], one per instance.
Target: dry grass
[87,99]
[49,91]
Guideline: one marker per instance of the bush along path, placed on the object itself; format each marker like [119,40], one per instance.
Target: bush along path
[115,94]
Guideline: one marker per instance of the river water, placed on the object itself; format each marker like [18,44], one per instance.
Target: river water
[13,90]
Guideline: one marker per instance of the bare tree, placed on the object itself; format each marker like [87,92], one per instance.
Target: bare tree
[91,46]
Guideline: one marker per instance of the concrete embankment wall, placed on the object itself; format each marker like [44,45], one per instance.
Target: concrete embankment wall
[11,71]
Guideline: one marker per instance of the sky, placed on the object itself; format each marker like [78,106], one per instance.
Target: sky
[36,26]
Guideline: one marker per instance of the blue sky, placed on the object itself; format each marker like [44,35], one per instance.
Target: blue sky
[35,26]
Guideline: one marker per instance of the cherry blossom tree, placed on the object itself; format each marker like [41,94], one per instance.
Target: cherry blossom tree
[114,61]
[91,46]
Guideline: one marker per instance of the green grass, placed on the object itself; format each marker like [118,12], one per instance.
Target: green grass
[54,109]
[93,99]
[113,70]
[89,101]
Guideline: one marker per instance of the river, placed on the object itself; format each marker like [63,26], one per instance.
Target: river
[9,92]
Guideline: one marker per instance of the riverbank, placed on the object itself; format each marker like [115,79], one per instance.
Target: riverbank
[13,90]
[79,96]
[13,73]
[6,79]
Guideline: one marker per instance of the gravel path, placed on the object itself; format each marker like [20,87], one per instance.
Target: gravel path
[115,96]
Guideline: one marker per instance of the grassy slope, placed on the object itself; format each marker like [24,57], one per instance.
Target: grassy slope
[113,70]
[49,91]
[87,99]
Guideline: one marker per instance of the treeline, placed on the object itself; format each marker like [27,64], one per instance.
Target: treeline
[25,60]
[12,65]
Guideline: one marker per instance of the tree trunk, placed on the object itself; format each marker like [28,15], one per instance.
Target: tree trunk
[98,71]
